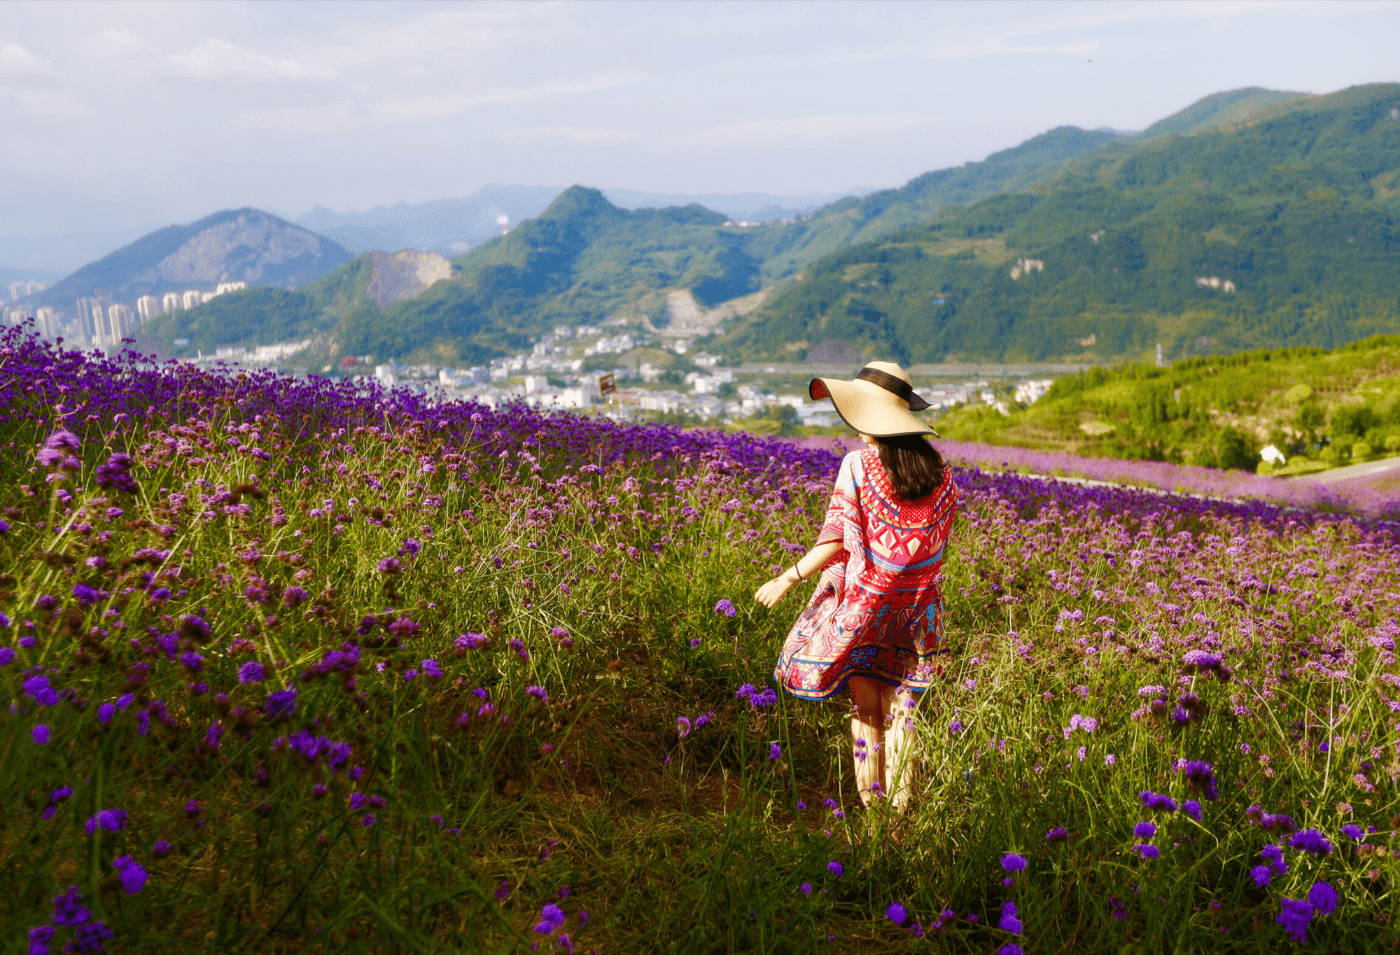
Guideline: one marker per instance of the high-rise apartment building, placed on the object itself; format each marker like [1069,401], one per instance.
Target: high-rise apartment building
[47,322]
[191,298]
[148,307]
[223,287]
[119,323]
[171,302]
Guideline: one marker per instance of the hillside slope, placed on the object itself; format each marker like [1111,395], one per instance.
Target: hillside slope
[1277,231]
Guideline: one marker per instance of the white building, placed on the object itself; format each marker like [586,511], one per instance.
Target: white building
[224,287]
[534,383]
[47,322]
[191,298]
[120,323]
[148,307]
[384,374]
[1029,392]
[170,303]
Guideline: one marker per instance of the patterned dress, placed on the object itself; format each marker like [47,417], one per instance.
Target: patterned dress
[878,609]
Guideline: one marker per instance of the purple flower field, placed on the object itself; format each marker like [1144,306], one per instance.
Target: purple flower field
[292,666]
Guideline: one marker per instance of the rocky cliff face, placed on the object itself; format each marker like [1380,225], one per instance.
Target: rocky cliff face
[245,245]
[405,274]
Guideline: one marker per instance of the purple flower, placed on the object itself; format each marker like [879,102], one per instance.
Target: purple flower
[1009,921]
[192,661]
[1147,851]
[41,734]
[105,712]
[1200,776]
[1158,802]
[37,688]
[1013,862]
[1295,916]
[110,819]
[132,875]
[1261,875]
[89,938]
[1145,830]
[1057,834]
[726,608]
[551,919]
[161,849]
[433,671]
[835,868]
[682,726]
[68,908]
[251,672]
[389,565]
[775,751]
[470,641]
[1311,840]
[1323,898]
[7,656]
[897,913]
[537,692]
[281,703]
[85,595]
[1353,832]
[1011,948]
[39,939]
[116,474]
[1273,855]
[1192,808]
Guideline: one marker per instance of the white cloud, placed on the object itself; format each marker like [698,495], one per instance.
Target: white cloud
[18,64]
[216,59]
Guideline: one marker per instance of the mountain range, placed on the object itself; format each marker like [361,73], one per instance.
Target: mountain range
[1251,218]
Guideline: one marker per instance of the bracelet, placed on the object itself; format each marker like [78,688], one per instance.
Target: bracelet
[800,578]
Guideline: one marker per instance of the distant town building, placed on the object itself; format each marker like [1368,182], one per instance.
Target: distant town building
[120,323]
[225,287]
[206,297]
[47,321]
[191,298]
[171,302]
[1026,267]
[148,307]
[1215,282]
[20,289]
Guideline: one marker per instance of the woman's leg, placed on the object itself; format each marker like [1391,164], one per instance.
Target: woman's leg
[868,736]
[899,749]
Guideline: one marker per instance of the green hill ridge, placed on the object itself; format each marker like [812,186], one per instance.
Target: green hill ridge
[1281,230]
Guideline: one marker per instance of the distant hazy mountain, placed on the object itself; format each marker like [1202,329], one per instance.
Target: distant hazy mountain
[1221,109]
[245,245]
[452,226]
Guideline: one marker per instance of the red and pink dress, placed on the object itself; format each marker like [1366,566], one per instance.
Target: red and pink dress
[878,609]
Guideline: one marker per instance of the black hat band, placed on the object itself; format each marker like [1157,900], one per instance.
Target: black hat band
[895,386]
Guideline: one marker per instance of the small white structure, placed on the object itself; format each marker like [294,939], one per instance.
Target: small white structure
[224,287]
[1273,455]
[1026,267]
[170,302]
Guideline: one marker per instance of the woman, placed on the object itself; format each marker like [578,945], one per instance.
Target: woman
[875,623]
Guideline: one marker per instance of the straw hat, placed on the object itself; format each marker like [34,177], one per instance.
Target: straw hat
[877,403]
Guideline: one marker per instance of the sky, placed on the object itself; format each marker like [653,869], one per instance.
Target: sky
[119,118]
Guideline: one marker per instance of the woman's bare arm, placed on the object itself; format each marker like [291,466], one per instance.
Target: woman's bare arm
[810,562]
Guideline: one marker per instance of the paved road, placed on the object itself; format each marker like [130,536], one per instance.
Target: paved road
[1369,469]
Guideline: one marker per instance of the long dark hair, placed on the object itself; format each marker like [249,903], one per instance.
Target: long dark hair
[914,466]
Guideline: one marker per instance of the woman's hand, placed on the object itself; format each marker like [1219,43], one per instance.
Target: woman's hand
[773,591]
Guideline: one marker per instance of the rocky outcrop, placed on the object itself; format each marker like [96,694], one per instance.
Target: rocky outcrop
[405,274]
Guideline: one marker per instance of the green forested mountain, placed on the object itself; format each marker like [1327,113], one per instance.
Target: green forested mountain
[1250,219]
[584,259]
[1280,230]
